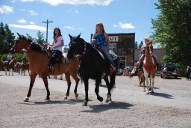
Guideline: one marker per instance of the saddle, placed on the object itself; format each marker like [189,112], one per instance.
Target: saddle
[56,57]
[101,53]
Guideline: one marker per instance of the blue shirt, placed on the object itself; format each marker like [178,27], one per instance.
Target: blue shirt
[100,39]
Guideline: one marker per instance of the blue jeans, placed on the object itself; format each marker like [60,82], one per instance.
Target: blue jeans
[107,55]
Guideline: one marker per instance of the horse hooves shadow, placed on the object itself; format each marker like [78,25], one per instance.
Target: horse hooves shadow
[164,95]
[46,102]
[105,107]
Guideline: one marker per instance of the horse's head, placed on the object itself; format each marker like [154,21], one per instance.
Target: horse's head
[76,46]
[148,48]
[20,43]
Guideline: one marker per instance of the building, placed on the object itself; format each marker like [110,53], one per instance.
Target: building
[123,45]
[158,52]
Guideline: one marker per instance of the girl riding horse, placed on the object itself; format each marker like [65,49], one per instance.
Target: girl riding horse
[57,45]
[38,65]
[100,41]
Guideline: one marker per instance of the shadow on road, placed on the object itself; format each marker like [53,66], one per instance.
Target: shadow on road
[105,107]
[164,95]
[70,101]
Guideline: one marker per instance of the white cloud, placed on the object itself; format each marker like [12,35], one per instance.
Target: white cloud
[69,27]
[22,21]
[6,9]
[73,2]
[33,13]
[124,25]
[31,26]
[31,22]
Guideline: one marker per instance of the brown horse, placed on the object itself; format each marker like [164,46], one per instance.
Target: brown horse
[38,64]
[24,67]
[139,73]
[1,65]
[11,66]
[149,67]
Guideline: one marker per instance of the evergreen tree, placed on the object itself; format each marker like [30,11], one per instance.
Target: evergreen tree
[40,37]
[6,38]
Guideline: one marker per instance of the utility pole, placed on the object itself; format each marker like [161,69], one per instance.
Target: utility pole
[47,22]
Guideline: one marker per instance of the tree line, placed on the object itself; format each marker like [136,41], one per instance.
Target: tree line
[7,38]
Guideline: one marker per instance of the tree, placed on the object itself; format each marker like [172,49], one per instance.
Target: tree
[136,45]
[141,44]
[6,38]
[29,37]
[172,29]
[40,37]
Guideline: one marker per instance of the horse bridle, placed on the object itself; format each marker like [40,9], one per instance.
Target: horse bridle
[85,48]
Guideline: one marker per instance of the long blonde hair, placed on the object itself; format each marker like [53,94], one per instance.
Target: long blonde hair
[101,26]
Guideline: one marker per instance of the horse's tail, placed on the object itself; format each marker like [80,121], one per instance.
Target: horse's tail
[112,80]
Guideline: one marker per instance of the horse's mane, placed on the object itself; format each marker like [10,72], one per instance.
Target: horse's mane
[35,47]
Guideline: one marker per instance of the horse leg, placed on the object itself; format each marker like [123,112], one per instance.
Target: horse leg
[109,89]
[74,75]
[146,79]
[32,80]
[45,80]
[86,91]
[67,76]
[152,90]
[98,82]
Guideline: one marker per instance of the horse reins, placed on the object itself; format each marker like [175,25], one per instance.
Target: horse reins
[85,48]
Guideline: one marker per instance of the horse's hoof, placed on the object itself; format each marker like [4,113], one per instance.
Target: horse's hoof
[85,103]
[47,98]
[26,99]
[108,99]
[65,98]
[76,95]
[100,99]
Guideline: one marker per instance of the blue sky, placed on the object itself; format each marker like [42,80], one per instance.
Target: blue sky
[79,16]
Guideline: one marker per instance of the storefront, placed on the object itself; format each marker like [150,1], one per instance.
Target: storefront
[123,45]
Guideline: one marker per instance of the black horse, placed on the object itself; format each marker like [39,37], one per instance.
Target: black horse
[92,66]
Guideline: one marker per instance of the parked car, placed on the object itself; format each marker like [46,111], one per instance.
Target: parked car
[128,68]
[119,71]
[169,70]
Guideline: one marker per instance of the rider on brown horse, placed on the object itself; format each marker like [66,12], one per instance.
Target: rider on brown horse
[140,62]
[57,45]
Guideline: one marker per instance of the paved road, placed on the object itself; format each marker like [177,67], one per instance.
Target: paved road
[169,107]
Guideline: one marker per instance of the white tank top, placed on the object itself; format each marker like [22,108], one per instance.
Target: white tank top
[58,42]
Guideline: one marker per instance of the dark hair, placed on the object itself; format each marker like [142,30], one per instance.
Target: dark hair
[59,32]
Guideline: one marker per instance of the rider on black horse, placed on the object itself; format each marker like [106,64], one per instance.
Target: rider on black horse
[100,41]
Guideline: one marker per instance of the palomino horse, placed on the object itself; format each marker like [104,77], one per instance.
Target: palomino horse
[149,67]
[38,64]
